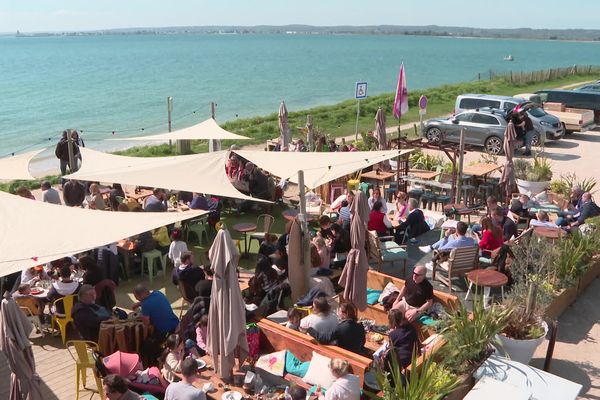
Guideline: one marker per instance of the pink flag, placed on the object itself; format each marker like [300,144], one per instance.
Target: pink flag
[401,99]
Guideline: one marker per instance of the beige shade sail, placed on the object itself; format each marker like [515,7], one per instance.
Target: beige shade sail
[205,130]
[33,232]
[17,167]
[202,173]
[319,168]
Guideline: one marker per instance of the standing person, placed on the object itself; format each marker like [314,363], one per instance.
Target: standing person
[527,127]
[62,153]
[185,390]
[49,194]
[157,308]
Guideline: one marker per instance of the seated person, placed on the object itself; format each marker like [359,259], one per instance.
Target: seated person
[589,209]
[188,274]
[294,316]
[268,245]
[344,214]
[324,256]
[202,333]
[349,334]
[64,286]
[157,308]
[172,357]
[346,386]
[542,220]
[508,226]
[264,286]
[322,320]
[416,296]
[340,244]
[404,340]
[87,315]
[522,205]
[415,224]
[157,202]
[161,237]
[375,197]
[92,273]
[452,240]
[297,393]
[117,388]
[325,224]
[491,237]
[378,221]
[573,208]
[401,211]
[33,275]
[185,389]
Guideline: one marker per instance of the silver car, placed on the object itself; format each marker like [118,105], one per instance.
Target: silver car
[482,128]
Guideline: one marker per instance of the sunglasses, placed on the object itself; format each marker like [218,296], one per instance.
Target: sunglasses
[414,273]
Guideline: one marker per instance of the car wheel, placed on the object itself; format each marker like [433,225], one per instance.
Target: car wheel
[434,135]
[493,145]
[535,140]
[565,129]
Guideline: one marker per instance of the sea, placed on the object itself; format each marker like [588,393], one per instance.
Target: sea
[117,85]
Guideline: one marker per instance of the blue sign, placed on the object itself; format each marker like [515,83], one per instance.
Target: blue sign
[361,90]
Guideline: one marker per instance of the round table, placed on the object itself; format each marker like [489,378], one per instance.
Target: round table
[291,214]
[488,278]
[549,233]
[245,227]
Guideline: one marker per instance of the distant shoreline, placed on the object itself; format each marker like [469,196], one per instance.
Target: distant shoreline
[576,35]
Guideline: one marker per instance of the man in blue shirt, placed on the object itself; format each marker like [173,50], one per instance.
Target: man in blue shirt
[452,241]
[155,306]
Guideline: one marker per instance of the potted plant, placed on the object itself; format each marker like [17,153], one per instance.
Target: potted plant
[532,178]
[469,337]
[431,380]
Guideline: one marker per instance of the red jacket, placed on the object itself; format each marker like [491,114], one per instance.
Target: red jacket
[489,242]
[376,222]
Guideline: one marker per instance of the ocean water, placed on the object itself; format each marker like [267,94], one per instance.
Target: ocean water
[101,84]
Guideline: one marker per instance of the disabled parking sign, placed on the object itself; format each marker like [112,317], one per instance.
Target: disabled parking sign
[361,90]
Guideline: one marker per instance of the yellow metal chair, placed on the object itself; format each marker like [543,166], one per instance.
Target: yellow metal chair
[81,352]
[63,320]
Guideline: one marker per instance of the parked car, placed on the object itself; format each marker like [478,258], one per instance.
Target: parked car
[574,99]
[482,128]
[547,123]
[590,88]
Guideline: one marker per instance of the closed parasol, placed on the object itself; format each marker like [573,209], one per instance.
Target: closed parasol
[286,138]
[297,266]
[354,275]
[380,129]
[507,180]
[227,314]
[15,328]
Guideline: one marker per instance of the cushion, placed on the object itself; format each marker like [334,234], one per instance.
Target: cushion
[318,372]
[394,254]
[387,290]
[389,244]
[273,363]
[373,296]
[294,366]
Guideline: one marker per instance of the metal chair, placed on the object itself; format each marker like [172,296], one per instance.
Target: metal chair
[63,320]
[81,352]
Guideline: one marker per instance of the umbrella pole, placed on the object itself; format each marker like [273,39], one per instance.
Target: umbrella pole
[461,158]
[304,226]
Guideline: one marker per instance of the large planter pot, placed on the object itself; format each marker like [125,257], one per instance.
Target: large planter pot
[520,350]
[561,302]
[531,188]
[466,380]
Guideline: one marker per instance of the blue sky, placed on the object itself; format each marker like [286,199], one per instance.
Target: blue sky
[59,15]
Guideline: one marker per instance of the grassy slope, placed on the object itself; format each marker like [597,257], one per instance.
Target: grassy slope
[339,119]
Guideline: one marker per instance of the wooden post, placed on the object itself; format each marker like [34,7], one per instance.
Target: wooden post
[357,117]
[213,144]
[461,157]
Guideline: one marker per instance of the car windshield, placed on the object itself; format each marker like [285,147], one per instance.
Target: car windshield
[537,112]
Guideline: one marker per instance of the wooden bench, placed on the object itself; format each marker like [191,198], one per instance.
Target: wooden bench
[276,337]
[378,281]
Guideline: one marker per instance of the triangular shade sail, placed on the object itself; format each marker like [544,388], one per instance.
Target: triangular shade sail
[319,168]
[17,167]
[202,173]
[205,130]
[33,232]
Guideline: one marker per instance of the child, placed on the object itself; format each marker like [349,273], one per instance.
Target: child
[172,357]
[324,254]
[202,332]
[294,316]
[177,248]
[269,245]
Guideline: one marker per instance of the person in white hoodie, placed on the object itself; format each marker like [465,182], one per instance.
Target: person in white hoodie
[177,248]
[62,287]
[345,387]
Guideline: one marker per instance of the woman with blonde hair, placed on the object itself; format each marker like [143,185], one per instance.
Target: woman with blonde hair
[345,387]
[96,201]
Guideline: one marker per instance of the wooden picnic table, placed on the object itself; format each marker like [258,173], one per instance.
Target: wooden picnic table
[480,170]
[430,183]
[139,195]
[379,176]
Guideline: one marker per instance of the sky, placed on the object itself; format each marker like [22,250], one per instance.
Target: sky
[78,15]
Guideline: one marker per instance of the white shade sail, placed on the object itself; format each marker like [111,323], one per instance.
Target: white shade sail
[17,167]
[202,173]
[33,232]
[319,168]
[205,130]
